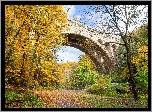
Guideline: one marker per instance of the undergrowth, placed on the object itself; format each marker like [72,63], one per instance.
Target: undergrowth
[19,99]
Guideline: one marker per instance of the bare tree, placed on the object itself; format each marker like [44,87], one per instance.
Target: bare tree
[118,20]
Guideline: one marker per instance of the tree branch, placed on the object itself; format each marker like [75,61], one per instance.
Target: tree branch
[116,24]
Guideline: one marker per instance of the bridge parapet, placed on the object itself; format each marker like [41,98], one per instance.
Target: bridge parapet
[106,42]
[97,36]
[94,34]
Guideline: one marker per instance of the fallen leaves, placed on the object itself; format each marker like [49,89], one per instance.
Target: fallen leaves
[75,99]
[60,99]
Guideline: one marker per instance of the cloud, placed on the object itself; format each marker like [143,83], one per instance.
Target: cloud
[95,20]
[78,17]
[68,54]
[70,9]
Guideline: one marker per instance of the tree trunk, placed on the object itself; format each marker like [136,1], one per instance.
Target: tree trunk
[30,74]
[131,77]
[31,68]
[22,67]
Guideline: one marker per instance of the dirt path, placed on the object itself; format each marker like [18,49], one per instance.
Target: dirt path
[67,104]
[78,99]
[61,98]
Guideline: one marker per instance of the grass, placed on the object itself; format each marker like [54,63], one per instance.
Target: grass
[98,101]
[46,99]
[18,99]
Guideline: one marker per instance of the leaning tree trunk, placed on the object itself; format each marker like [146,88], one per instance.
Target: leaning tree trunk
[131,75]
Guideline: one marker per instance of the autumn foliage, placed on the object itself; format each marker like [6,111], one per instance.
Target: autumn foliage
[83,75]
[139,50]
[32,33]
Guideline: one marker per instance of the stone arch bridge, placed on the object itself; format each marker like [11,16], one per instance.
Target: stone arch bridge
[101,47]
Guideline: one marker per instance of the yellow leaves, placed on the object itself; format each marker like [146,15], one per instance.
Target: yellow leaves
[85,61]
[48,64]
[46,22]
[47,73]
[7,43]
[16,46]
[101,80]
[8,69]
[141,60]
[125,72]
[48,76]
[68,65]
[143,49]
[17,72]
[59,8]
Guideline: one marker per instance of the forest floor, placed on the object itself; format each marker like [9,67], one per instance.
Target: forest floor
[82,99]
[67,99]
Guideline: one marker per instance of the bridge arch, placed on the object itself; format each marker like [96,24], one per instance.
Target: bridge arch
[101,47]
[98,55]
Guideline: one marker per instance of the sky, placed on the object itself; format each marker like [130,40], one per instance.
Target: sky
[68,54]
[91,19]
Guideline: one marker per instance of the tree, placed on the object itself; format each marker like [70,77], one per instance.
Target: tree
[139,53]
[31,35]
[141,63]
[116,20]
[83,75]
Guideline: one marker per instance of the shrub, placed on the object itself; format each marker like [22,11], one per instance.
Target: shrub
[83,75]
[13,95]
[122,88]
[34,84]
[102,90]
[103,87]
[142,80]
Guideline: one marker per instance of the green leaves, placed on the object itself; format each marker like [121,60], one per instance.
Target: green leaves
[83,75]
[142,79]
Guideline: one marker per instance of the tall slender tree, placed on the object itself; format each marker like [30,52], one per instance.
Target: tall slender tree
[117,20]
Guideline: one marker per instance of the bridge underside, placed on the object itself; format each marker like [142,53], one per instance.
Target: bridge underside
[103,63]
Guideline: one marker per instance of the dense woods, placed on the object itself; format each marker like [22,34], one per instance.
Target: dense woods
[33,77]
[32,33]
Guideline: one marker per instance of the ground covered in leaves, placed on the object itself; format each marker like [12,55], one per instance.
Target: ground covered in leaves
[15,98]
[82,99]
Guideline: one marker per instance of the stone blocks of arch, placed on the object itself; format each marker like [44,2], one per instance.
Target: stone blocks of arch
[105,41]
